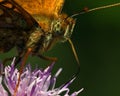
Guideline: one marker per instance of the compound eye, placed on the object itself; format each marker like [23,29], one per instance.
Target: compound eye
[57,27]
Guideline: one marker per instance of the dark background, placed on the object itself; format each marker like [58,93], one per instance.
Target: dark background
[97,41]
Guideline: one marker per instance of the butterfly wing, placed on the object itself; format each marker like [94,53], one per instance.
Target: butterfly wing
[15,24]
[14,16]
[46,7]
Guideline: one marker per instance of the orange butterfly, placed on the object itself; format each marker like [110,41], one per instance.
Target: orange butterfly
[33,27]
[41,25]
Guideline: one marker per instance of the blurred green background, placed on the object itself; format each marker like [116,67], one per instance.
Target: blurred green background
[97,41]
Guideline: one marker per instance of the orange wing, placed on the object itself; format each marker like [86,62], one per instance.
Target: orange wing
[46,7]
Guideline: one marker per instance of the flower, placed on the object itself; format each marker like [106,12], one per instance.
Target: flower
[33,83]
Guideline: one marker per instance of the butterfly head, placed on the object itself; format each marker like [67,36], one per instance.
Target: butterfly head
[62,27]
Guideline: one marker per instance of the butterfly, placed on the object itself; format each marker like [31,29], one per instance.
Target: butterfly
[33,26]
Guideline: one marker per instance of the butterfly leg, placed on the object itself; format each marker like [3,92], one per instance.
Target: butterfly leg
[53,59]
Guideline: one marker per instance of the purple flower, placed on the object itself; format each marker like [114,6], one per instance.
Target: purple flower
[33,83]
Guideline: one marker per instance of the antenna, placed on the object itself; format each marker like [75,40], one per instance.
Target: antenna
[78,70]
[74,51]
[86,10]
